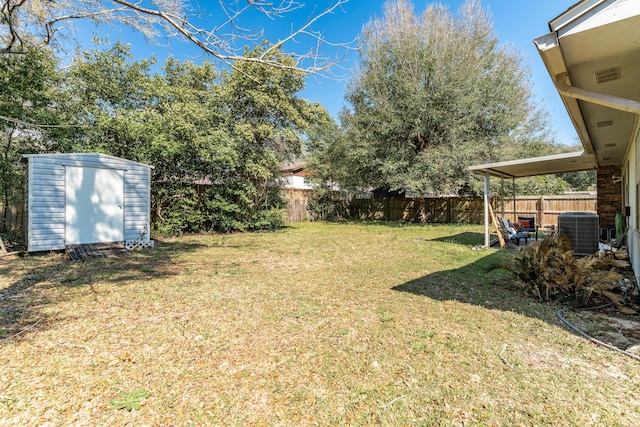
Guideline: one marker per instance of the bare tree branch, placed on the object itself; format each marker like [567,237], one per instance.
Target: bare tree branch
[305,27]
[33,21]
[9,17]
[86,15]
[36,125]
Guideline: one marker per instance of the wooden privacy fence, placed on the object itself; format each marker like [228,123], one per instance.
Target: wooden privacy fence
[441,209]
[297,204]
[546,209]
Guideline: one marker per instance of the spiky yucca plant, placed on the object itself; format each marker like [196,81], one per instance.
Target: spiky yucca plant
[550,267]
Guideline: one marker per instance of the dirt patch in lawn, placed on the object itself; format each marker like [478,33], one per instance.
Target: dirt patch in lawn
[608,326]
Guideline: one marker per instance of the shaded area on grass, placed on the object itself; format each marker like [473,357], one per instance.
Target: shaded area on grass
[21,303]
[482,283]
[467,238]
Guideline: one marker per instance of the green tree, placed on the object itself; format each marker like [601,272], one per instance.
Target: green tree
[28,85]
[172,121]
[434,94]
[580,181]
[216,139]
[268,122]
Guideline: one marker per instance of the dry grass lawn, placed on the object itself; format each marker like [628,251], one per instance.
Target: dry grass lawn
[318,324]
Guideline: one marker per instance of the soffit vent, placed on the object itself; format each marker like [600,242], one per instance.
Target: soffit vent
[604,124]
[608,75]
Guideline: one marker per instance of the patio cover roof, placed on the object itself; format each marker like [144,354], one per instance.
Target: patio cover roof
[557,163]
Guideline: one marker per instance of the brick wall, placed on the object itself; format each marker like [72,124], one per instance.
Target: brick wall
[609,195]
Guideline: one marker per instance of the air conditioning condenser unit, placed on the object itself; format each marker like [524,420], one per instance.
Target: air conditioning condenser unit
[582,229]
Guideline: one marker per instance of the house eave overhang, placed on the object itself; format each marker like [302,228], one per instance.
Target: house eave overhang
[592,55]
[552,56]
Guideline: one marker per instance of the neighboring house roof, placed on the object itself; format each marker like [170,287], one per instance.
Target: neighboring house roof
[593,56]
[295,168]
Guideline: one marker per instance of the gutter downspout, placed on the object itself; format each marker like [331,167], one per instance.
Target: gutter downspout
[615,102]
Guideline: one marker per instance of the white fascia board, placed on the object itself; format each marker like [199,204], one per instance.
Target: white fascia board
[596,14]
[574,12]
[546,42]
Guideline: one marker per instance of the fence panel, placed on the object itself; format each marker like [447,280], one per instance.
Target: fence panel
[297,204]
[12,220]
[546,209]
[467,210]
[439,210]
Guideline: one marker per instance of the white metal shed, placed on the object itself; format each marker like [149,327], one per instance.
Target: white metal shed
[78,198]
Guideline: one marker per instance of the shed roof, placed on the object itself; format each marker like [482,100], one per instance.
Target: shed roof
[25,157]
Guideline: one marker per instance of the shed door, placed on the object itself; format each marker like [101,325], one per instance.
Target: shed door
[94,205]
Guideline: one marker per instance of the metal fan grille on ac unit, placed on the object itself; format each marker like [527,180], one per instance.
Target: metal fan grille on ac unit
[582,229]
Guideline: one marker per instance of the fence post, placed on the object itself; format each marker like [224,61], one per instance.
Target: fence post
[387,214]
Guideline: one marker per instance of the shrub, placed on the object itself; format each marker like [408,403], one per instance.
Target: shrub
[327,205]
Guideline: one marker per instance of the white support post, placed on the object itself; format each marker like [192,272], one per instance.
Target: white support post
[513,187]
[487,242]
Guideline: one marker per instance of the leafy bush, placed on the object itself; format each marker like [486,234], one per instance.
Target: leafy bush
[269,219]
[220,208]
[326,205]
[550,268]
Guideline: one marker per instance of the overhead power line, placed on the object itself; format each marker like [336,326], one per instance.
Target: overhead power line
[37,126]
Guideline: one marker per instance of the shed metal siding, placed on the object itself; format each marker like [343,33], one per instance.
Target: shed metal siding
[27,206]
[46,196]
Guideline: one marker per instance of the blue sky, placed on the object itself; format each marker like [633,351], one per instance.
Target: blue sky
[515,22]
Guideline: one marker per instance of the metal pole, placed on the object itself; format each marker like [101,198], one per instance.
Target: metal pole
[513,187]
[486,211]
[502,193]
